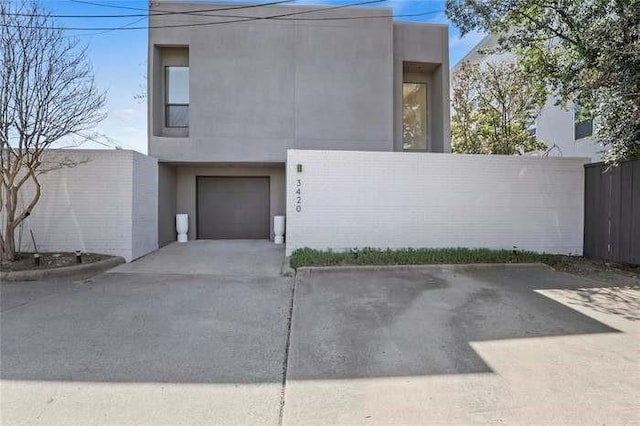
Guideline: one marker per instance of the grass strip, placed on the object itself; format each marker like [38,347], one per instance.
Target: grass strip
[369,256]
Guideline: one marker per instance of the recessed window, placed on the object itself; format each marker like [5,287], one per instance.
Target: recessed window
[414,117]
[176,96]
[582,127]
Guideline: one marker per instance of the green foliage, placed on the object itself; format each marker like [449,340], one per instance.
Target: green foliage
[369,256]
[586,51]
[492,108]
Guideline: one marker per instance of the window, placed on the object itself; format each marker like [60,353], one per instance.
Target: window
[176,96]
[582,127]
[414,116]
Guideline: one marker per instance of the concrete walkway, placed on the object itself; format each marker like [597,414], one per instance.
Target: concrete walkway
[259,258]
[419,345]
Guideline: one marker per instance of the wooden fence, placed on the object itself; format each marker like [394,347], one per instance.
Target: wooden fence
[612,212]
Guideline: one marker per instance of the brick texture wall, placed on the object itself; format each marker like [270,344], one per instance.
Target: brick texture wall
[343,200]
[106,204]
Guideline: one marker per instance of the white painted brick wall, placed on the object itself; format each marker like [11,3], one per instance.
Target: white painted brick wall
[400,200]
[90,207]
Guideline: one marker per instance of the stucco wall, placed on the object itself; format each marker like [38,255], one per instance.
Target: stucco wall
[167,203]
[396,200]
[260,87]
[556,125]
[144,205]
[429,45]
[186,188]
[106,204]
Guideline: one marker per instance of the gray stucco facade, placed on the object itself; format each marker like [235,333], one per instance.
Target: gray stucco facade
[286,77]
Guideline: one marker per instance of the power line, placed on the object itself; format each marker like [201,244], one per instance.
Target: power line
[335,18]
[150,13]
[204,12]
[115,141]
[87,137]
[250,18]
[114,6]
[108,142]
[106,31]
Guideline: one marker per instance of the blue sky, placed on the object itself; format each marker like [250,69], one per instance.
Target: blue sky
[119,57]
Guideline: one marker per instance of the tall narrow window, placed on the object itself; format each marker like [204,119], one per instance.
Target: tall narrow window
[176,96]
[414,117]
[582,126]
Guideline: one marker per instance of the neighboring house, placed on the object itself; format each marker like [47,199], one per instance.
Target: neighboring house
[562,130]
[226,101]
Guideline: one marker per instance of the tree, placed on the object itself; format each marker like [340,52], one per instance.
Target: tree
[47,92]
[493,107]
[587,51]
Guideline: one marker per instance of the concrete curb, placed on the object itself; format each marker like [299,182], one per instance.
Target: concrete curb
[82,269]
[431,267]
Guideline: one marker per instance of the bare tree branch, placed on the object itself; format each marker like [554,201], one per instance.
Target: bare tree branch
[47,92]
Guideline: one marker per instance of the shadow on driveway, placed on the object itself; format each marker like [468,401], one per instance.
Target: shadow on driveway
[123,327]
[150,328]
[420,321]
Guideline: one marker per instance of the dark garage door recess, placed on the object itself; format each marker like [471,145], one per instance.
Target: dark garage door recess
[233,207]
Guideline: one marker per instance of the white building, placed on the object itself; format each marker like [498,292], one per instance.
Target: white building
[559,128]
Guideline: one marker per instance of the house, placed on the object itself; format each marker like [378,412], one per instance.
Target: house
[337,118]
[232,88]
[565,133]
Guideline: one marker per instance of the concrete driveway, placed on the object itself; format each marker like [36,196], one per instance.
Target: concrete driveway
[191,334]
[414,345]
[259,258]
[477,344]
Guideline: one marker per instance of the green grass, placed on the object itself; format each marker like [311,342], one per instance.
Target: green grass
[368,256]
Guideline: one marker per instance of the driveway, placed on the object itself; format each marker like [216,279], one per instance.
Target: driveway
[410,345]
[260,258]
[191,334]
[464,344]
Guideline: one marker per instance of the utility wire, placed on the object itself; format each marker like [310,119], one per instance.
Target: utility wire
[115,141]
[150,13]
[107,31]
[115,6]
[108,142]
[254,18]
[283,17]
[335,18]
[87,137]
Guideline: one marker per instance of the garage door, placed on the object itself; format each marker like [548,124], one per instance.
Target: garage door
[233,207]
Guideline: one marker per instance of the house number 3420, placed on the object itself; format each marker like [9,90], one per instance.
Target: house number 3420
[298,202]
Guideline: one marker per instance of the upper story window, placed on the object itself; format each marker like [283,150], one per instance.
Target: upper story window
[176,96]
[414,117]
[582,127]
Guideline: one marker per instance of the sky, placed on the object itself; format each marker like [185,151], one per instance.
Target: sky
[119,57]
